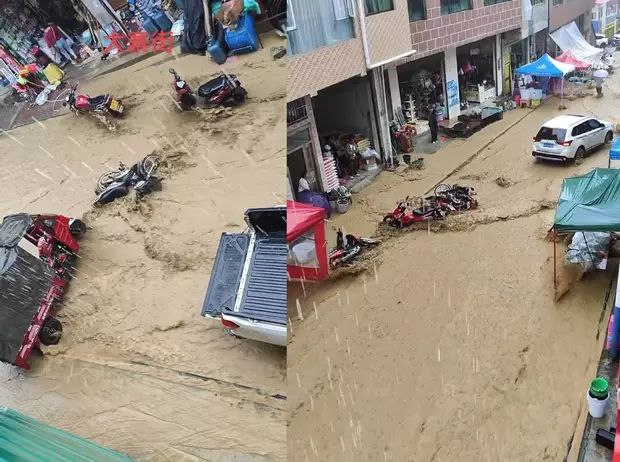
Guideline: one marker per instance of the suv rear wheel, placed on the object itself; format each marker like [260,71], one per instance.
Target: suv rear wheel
[580,155]
[608,137]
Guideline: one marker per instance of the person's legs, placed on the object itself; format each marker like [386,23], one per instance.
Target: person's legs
[63,45]
[433,128]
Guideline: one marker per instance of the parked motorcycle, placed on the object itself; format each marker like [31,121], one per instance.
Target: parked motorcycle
[225,90]
[140,177]
[347,248]
[101,105]
[185,96]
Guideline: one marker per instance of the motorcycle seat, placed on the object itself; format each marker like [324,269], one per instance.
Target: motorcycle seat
[99,102]
[213,86]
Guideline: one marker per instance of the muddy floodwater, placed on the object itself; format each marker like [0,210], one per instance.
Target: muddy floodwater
[138,369]
[450,345]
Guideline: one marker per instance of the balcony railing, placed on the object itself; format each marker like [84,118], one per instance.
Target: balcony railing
[296,111]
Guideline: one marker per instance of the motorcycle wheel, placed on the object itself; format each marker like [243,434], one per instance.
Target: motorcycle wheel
[77,228]
[230,102]
[106,180]
[51,332]
[442,189]
[149,164]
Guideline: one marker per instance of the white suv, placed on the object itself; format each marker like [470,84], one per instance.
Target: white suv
[570,137]
[601,40]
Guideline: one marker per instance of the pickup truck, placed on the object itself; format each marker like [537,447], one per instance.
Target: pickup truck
[247,290]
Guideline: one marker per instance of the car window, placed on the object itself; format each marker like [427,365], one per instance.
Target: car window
[583,127]
[556,134]
[593,124]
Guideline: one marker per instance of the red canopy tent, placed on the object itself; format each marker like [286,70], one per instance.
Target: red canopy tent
[307,248]
[569,58]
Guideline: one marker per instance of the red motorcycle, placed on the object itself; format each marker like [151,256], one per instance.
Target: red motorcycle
[224,90]
[405,214]
[98,105]
[56,238]
[347,248]
[185,96]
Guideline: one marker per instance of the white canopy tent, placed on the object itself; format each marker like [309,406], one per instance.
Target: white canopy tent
[569,38]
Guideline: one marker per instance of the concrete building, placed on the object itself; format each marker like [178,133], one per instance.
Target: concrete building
[604,17]
[334,52]
[356,65]
[460,43]
[562,12]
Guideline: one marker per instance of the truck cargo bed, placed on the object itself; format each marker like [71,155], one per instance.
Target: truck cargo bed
[23,287]
[249,273]
[264,297]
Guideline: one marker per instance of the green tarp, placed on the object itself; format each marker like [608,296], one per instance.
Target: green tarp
[590,202]
[23,439]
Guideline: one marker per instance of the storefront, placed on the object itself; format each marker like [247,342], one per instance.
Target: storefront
[477,72]
[345,120]
[302,147]
[22,22]
[514,54]
[422,84]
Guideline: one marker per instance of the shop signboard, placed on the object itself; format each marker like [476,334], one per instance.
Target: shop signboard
[453,93]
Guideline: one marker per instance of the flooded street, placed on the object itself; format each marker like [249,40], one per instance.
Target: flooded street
[138,369]
[451,344]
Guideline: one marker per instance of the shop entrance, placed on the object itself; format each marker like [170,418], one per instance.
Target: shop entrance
[300,160]
[422,85]
[477,75]
[345,121]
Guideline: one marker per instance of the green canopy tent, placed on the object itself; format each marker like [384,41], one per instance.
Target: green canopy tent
[27,440]
[589,202]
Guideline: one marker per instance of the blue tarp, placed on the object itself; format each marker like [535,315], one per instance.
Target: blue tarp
[614,152]
[545,66]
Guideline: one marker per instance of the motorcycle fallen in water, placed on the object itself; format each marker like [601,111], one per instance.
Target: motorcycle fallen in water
[458,197]
[347,248]
[224,90]
[101,106]
[406,214]
[185,98]
[115,184]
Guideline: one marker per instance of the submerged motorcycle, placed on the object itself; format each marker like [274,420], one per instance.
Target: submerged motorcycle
[405,214]
[347,248]
[98,105]
[185,96]
[140,177]
[225,90]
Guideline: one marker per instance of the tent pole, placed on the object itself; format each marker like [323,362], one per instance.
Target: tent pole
[555,273]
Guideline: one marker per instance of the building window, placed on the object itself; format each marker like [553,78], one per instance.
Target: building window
[378,6]
[557,2]
[417,10]
[454,6]
[537,2]
[318,23]
[495,2]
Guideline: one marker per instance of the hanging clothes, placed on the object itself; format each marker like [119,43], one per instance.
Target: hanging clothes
[194,35]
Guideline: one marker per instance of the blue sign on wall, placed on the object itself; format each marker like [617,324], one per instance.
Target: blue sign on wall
[453,93]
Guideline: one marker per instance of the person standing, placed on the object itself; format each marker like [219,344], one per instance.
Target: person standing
[598,81]
[54,39]
[432,123]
